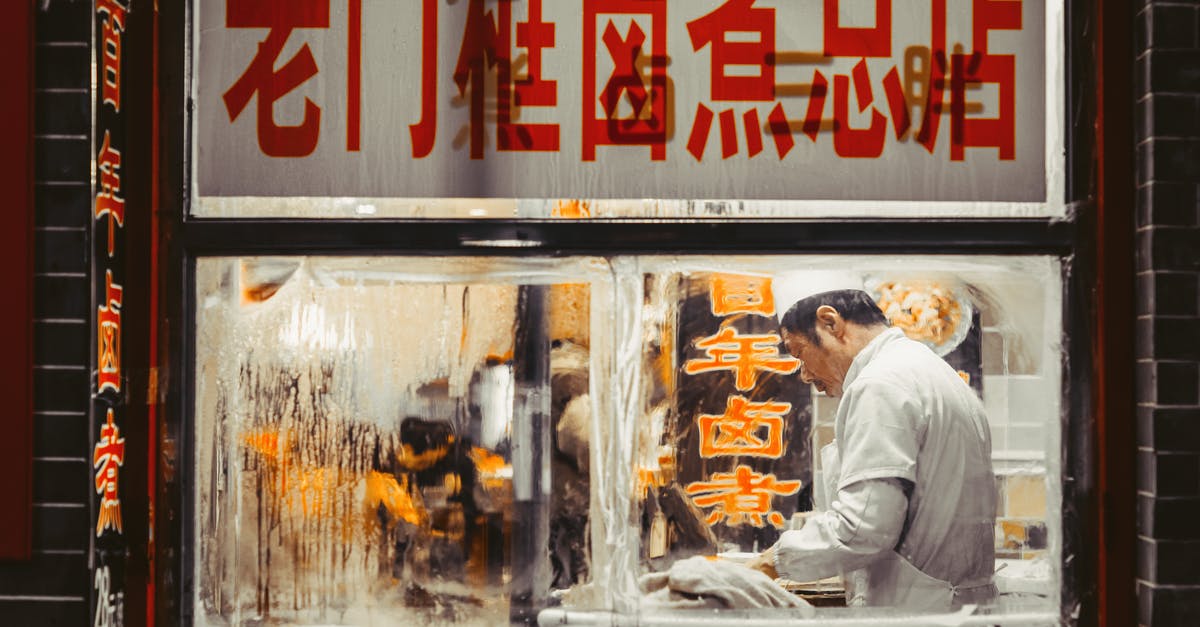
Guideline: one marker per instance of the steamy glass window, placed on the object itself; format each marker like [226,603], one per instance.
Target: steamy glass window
[459,441]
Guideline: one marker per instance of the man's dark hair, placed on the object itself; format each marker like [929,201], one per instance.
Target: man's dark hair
[854,306]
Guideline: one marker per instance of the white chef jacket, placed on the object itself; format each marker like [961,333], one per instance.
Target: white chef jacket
[914,500]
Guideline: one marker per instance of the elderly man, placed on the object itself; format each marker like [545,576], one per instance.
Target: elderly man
[909,473]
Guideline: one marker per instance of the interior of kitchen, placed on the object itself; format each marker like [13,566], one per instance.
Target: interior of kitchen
[469,440]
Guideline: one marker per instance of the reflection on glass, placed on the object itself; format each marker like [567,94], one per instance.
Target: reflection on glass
[725,462]
[377,445]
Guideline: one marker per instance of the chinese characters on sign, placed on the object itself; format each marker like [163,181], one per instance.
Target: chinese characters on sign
[110,549]
[109,455]
[262,82]
[522,98]
[109,216]
[747,427]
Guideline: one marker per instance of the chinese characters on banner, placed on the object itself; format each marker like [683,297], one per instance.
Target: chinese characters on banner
[109,218]
[751,425]
[799,99]
[108,263]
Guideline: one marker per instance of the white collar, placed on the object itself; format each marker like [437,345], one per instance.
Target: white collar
[868,353]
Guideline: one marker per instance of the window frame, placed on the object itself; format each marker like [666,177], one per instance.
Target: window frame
[1072,240]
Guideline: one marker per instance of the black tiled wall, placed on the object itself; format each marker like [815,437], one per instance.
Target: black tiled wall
[1168,333]
[52,588]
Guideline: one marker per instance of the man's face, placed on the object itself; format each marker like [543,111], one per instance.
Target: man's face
[818,363]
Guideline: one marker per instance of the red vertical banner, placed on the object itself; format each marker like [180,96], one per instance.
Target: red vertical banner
[16,257]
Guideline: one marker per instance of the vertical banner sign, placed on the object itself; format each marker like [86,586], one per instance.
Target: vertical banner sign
[109,408]
[744,409]
[920,100]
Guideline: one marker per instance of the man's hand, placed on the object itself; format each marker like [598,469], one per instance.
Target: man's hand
[765,563]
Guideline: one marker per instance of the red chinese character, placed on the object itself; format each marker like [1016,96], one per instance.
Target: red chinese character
[738,18]
[872,41]
[108,337]
[848,142]
[982,67]
[743,354]
[424,132]
[111,27]
[735,293]
[108,457]
[486,43]
[737,431]
[647,124]
[741,496]
[261,78]
[936,83]
[108,200]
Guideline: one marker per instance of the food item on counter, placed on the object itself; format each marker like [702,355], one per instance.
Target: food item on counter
[925,310]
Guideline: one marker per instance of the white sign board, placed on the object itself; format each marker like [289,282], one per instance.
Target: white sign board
[916,100]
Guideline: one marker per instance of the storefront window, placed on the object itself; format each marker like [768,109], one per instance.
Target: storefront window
[472,440]
[384,439]
[388,430]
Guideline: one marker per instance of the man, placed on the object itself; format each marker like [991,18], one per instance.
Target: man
[909,474]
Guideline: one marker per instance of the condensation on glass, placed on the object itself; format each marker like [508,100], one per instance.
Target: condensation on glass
[375,438]
[470,441]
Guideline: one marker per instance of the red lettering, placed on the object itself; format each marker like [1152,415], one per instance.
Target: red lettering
[261,78]
[424,132]
[647,125]
[932,114]
[754,30]
[874,41]
[816,105]
[111,28]
[108,456]
[998,131]
[486,43]
[108,200]
[482,43]
[848,142]
[108,337]
[738,16]
[532,91]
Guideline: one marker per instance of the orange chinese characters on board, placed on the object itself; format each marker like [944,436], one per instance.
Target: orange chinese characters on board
[109,203]
[745,355]
[108,457]
[112,25]
[108,337]
[735,293]
[737,431]
[741,496]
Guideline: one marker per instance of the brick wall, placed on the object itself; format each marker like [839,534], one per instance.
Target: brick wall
[1168,334]
[52,588]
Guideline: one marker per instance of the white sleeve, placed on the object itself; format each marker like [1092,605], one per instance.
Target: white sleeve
[864,520]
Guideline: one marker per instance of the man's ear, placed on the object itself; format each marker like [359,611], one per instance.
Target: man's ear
[831,320]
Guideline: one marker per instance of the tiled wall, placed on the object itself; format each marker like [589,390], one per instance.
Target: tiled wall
[1167,94]
[52,588]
